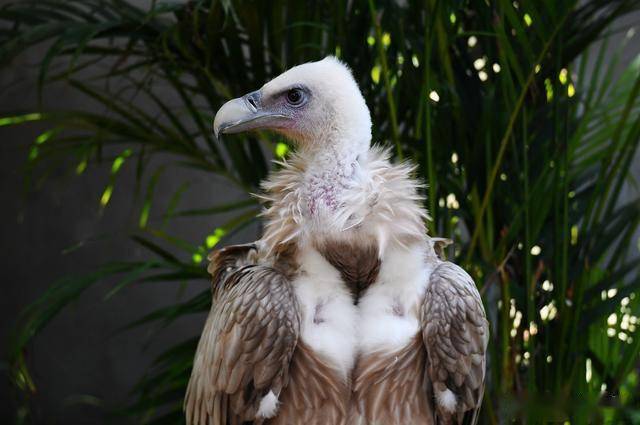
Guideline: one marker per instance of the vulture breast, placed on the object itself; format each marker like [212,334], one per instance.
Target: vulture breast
[358,265]
[360,335]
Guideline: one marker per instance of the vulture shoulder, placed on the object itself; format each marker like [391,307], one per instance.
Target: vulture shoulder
[455,332]
[242,360]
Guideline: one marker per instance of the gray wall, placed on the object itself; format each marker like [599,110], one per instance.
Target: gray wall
[79,357]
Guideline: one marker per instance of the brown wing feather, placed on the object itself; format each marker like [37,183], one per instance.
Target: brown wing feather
[391,387]
[317,394]
[455,332]
[247,342]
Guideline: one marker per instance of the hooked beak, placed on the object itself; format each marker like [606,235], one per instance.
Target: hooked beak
[245,113]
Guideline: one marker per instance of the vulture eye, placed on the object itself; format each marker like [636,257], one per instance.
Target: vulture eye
[295,97]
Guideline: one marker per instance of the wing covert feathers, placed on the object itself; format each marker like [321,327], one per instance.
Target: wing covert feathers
[247,342]
[455,332]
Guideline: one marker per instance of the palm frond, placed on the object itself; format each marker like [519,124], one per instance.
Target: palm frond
[524,131]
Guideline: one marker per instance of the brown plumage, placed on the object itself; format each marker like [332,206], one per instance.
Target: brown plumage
[343,312]
[247,342]
[358,265]
[456,333]
[392,388]
[316,395]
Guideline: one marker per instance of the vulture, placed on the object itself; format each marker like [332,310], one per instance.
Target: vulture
[344,311]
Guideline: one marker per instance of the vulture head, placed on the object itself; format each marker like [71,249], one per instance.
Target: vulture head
[316,105]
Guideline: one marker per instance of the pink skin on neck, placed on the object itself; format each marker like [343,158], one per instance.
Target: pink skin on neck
[324,186]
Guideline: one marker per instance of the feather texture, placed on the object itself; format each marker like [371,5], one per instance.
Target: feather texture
[343,313]
[317,393]
[247,342]
[392,387]
[455,332]
[377,201]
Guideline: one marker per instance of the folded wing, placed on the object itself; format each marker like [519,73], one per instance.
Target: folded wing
[242,360]
[455,332]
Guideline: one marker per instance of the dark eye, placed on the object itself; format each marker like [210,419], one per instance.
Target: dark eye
[295,96]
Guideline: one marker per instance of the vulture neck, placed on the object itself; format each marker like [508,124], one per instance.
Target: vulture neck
[335,152]
[341,192]
[337,160]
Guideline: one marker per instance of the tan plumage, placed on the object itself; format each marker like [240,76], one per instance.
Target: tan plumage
[247,341]
[391,198]
[316,393]
[392,388]
[343,312]
[455,333]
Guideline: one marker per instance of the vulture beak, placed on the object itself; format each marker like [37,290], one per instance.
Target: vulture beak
[245,113]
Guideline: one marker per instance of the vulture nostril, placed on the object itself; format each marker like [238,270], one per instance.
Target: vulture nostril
[252,102]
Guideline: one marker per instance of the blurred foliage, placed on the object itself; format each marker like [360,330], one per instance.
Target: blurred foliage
[514,111]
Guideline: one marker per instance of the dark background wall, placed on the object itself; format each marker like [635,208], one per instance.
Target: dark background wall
[80,363]
[80,356]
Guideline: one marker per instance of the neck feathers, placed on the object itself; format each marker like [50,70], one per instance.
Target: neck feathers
[367,198]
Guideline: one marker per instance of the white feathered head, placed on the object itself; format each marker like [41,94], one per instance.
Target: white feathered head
[313,104]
